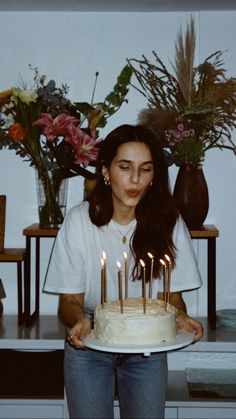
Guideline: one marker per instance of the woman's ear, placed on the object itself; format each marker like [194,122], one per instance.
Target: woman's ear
[105,172]
[106,176]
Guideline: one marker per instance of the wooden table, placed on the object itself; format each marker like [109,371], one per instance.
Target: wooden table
[209,232]
[34,231]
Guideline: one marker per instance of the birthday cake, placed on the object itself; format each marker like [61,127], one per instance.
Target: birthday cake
[134,326]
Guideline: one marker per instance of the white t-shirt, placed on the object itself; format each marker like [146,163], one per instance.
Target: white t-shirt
[75,265]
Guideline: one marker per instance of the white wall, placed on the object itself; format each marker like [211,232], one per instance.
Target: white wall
[70,47]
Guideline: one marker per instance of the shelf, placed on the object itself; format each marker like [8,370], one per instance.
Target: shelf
[178,393]
[47,333]
[222,339]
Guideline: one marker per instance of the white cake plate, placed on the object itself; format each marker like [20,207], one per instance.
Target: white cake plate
[182,339]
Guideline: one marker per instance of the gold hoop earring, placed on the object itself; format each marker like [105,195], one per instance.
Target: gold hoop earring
[106,181]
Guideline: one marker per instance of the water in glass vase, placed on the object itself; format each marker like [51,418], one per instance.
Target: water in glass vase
[52,199]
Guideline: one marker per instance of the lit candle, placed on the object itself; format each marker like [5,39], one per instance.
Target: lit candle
[104,256]
[102,282]
[168,277]
[144,286]
[126,274]
[151,274]
[164,279]
[120,287]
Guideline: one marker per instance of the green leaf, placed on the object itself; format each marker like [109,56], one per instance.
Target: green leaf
[84,107]
[118,95]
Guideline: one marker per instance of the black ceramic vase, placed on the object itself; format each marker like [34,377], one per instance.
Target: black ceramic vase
[191,195]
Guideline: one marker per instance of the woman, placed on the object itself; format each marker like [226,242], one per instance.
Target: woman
[131,210]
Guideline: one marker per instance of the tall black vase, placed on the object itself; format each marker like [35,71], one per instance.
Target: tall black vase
[191,195]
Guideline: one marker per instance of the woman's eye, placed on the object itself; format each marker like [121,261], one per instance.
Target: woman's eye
[124,167]
[147,169]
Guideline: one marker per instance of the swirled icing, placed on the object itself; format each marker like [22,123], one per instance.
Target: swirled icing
[133,327]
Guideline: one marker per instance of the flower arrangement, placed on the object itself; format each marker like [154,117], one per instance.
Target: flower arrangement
[70,130]
[59,138]
[185,146]
[193,109]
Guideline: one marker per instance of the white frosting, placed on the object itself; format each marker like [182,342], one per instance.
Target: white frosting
[133,327]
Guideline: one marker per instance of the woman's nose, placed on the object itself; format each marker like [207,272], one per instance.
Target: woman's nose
[135,176]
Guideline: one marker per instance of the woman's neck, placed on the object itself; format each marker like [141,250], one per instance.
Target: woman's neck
[123,217]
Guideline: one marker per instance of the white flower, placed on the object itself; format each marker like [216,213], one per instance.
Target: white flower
[10,120]
[25,96]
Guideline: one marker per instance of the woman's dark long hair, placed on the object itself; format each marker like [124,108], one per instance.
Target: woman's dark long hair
[156,213]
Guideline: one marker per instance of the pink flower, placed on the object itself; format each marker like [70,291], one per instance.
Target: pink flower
[178,137]
[191,132]
[55,127]
[83,144]
[180,127]
[186,133]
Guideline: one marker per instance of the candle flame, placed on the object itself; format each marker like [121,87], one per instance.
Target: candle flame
[102,262]
[125,255]
[118,264]
[162,262]
[150,255]
[142,263]
[167,258]
[104,255]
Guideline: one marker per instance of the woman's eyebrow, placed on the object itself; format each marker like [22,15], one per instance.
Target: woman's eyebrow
[130,161]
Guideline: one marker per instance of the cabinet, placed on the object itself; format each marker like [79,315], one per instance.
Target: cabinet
[180,405]
[32,383]
[43,343]
[216,350]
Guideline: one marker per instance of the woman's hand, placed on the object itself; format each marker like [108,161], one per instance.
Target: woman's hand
[189,324]
[183,320]
[78,332]
[71,311]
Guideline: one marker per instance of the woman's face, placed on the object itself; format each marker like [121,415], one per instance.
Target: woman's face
[130,175]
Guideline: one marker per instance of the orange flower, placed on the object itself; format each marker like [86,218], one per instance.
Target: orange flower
[5,96]
[17,132]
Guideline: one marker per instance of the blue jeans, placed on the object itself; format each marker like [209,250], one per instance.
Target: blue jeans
[90,384]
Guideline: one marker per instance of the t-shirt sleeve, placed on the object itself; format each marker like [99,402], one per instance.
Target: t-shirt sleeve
[66,269]
[185,275]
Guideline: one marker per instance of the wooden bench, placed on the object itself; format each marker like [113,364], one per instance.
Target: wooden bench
[18,256]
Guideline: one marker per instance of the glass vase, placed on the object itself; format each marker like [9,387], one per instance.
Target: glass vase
[52,198]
